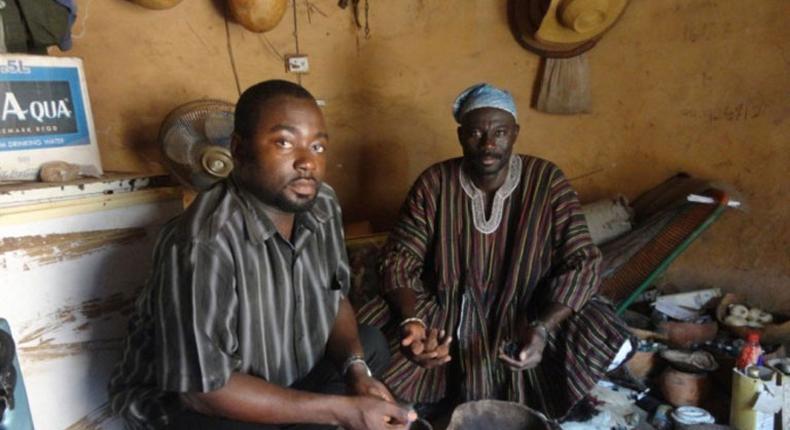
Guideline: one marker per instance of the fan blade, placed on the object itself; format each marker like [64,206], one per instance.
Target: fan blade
[218,127]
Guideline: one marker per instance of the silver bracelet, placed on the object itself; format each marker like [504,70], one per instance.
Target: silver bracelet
[356,359]
[540,325]
[414,319]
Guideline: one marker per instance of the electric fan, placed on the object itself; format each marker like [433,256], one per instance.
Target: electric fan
[195,141]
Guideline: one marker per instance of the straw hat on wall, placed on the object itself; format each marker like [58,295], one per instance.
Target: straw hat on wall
[562,28]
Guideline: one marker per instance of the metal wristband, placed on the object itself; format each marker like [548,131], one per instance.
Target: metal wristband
[414,319]
[356,359]
[541,326]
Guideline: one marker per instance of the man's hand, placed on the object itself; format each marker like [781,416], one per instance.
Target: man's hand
[368,413]
[529,352]
[429,349]
[360,384]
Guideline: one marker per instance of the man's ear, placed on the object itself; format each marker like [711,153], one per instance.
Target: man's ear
[459,131]
[516,130]
[236,147]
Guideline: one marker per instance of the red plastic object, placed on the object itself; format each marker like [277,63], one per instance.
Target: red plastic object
[751,352]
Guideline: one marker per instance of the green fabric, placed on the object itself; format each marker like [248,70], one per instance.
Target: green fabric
[32,25]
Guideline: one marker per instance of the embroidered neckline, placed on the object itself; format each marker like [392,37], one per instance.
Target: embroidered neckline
[483,225]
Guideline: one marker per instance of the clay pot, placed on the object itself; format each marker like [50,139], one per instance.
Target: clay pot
[496,414]
[683,335]
[683,388]
[690,361]
[258,15]
[157,4]
[641,364]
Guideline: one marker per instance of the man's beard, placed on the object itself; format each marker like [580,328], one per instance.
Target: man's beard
[277,199]
[280,201]
[478,168]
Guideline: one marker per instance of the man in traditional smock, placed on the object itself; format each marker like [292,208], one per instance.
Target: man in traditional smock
[490,277]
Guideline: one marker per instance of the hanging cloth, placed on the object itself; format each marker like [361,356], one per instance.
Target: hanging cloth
[30,26]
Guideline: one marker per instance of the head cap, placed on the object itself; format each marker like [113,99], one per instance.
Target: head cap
[481,96]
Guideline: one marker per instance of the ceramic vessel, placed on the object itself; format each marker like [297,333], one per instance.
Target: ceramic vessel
[683,388]
[684,335]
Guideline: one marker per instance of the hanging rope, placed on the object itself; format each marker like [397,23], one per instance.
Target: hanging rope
[230,50]
[296,38]
[355,9]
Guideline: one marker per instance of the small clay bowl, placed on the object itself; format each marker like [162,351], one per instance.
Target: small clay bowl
[684,335]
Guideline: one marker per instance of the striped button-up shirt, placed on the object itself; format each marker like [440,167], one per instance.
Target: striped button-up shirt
[229,294]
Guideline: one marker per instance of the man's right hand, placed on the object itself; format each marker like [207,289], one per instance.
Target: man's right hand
[428,349]
[371,413]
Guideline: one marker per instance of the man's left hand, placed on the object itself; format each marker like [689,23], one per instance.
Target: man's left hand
[360,384]
[530,353]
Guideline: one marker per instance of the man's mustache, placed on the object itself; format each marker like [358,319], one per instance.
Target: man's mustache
[496,155]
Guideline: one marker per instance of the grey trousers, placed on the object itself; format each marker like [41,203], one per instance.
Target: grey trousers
[324,379]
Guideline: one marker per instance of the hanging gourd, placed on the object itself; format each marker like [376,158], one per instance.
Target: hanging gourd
[156,4]
[258,15]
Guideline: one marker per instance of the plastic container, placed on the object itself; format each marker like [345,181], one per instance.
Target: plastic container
[687,416]
[744,390]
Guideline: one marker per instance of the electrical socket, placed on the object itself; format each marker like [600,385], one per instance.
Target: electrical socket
[297,64]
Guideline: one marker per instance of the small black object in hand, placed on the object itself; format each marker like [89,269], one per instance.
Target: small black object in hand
[511,349]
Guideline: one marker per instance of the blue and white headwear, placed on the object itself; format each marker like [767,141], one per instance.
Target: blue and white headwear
[482,96]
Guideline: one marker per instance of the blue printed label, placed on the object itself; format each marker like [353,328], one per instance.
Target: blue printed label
[42,107]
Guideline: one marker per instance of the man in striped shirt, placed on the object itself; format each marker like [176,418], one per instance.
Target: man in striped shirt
[490,277]
[244,323]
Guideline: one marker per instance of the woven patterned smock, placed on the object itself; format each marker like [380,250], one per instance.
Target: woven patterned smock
[229,294]
[474,276]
